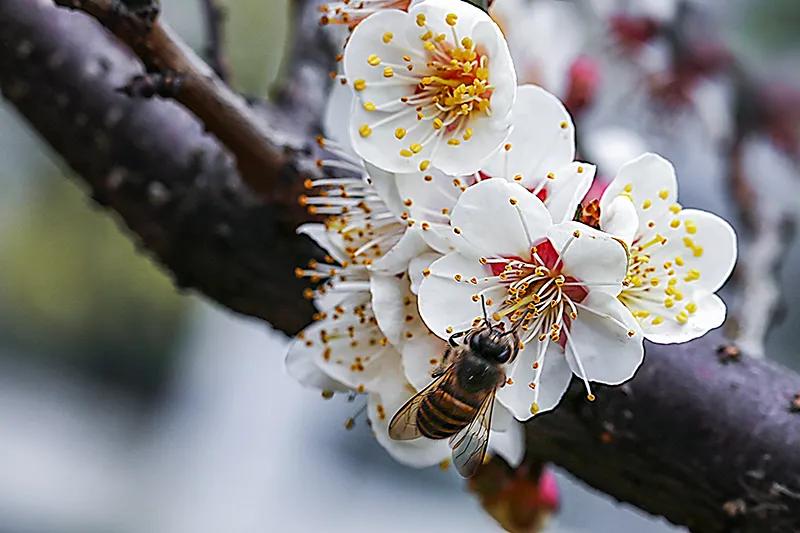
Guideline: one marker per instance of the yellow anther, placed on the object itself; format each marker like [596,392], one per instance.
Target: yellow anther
[388,72]
[691,228]
[580,170]
[369,106]
[564,125]
[692,275]
[647,204]
[437,123]
[374,60]
[451,19]
[387,37]
[453,142]
[467,134]
[682,317]
[416,148]
[691,307]
[424,165]
[657,320]
[467,43]
[400,133]
[421,20]
[663,194]
[679,261]
[628,188]
[427,35]
[365,130]
[675,208]
[675,224]
[359,85]
[669,303]
[406,152]
[534,408]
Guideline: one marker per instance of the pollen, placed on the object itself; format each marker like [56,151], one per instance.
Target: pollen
[359,85]
[374,60]
[369,106]
[387,37]
[399,133]
[534,408]
[663,194]
[451,19]
[424,165]
[647,204]
[388,72]
[421,20]
[563,125]
[365,130]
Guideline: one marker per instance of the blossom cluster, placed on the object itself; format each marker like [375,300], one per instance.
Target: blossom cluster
[450,192]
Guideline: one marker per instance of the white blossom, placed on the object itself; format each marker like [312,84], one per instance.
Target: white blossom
[678,257]
[434,87]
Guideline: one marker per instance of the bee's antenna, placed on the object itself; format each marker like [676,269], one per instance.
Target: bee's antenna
[486,314]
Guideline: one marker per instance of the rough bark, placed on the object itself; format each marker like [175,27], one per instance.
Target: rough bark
[709,445]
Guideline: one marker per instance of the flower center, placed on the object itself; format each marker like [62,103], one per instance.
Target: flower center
[540,300]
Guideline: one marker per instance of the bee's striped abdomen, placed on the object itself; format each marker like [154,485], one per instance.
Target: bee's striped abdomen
[448,410]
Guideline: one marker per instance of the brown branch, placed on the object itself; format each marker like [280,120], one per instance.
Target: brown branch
[222,112]
[214,15]
[707,445]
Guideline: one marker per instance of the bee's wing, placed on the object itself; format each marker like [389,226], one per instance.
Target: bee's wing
[404,423]
[469,444]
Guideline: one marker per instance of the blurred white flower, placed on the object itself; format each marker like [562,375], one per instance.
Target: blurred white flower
[435,88]
[539,155]
[556,283]
[678,257]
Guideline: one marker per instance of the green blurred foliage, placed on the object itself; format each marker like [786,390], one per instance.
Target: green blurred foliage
[75,289]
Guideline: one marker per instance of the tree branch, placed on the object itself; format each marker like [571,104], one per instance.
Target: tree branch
[707,445]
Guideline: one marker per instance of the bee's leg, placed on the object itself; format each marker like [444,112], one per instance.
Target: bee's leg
[454,336]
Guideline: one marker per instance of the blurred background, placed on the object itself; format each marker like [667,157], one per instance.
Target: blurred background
[127,407]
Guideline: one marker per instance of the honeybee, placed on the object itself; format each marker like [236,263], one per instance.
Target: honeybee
[458,403]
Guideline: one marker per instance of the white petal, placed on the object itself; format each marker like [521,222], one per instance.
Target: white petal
[489,134]
[385,183]
[331,346]
[396,260]
[387,304]
[392,393]
[417,266]
[421,356]
[336,122]
[430,198]
[501,67]
[600,341]
[542,141]
[650,181]
[447,305]
[594,257]
[554,381]
[497,217]
[510,444]
[326,240]
[713,252]
[436,12]
[620,219]
[302,366]
[381,147]
[710,314]
[366,40]
[565,192]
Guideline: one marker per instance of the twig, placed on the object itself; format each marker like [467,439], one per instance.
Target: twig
[215,38]
[222,112]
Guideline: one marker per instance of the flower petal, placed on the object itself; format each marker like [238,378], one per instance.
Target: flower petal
[396,260]
[509,444]
[710,314]
[565,192]
[542,141]
[605,341]
[327,241]
[421,356]
[650,182]
[387,304]
[496,217]
[620,219]
[385,183]
[417,267]
[429,198]
[447,305]
[301,365]
[489,134]
[594,257]
[336,122]
[518,397]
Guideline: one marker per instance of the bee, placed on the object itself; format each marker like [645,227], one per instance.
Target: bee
[458,403]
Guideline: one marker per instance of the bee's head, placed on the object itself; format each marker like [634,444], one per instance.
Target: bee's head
[494,345]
